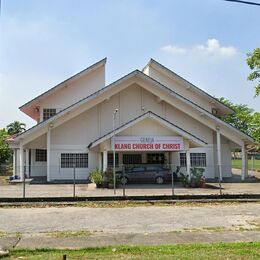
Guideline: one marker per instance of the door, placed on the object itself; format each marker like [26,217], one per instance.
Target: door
[155,158]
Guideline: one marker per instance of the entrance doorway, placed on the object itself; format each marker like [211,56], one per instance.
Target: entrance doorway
[155,158]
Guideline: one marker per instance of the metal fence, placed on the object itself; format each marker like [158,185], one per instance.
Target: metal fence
[130,180]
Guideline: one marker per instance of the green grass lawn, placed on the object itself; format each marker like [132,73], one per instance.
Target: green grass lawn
[186,251]
[237,163]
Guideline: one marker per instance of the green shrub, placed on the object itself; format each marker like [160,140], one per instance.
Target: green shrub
[96,176]
[195,180]
[109,177]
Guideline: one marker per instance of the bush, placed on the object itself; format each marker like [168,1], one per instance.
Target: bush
[96,176]
[109,178]
[196,178]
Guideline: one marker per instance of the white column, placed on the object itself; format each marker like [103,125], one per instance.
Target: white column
[244,163]
[14,162]
[21,162]
[100,161]
[188,164]
[27,163]
[48,154]
[104,161]
[219,153]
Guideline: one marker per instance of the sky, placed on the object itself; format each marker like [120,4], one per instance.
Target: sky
[44,42]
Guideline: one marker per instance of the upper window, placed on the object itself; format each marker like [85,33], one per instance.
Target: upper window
[41,155]
[110,159]
[71,160]
[48,112]
[196,160]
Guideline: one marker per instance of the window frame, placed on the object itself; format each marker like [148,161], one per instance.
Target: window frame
[110,159]
[67,160]
[48,113]
[196,160]
[40,155]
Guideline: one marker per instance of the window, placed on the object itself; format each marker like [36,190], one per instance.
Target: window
[132,158]
[196,160]
[183,162]
[48,112]
[41,155]
[69,159]
[110,159]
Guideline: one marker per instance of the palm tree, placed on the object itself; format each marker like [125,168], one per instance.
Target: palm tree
[16,128]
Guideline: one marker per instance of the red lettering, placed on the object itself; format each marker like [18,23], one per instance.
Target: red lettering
[171,146]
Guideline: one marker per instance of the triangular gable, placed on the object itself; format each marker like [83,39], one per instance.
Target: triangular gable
[171,74]
[194,139]
[28,109]
[114,88]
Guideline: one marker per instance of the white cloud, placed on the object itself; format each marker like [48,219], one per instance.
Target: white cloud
[212,48]
[173,49]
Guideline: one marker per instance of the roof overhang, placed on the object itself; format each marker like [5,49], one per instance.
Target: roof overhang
[187,135]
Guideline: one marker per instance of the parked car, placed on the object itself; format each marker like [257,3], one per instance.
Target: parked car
[147,173]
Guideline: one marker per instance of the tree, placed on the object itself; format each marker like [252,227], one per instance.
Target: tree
[253,62]
[244,119]
[5,151]
[16,128]
[255,126]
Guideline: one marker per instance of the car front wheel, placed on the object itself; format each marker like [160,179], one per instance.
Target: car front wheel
[159,180]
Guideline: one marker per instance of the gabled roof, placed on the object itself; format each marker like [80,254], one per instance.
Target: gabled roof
[196,89]
[105,90]
[75,105]
[66,82]
[152,115]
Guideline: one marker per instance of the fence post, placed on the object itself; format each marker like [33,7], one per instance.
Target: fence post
[124,180]
[220,188]
[74,182]
[24,186]
[172,183]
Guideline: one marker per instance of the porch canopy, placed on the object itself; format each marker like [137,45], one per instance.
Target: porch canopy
[141,127]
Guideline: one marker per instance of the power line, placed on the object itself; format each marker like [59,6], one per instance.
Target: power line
[243,2]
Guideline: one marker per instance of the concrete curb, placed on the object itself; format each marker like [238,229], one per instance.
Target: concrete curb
[148,239]
[141,202]
[224,197]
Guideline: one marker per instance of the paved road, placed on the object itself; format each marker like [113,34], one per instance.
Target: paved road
[130,226]
[128,220]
